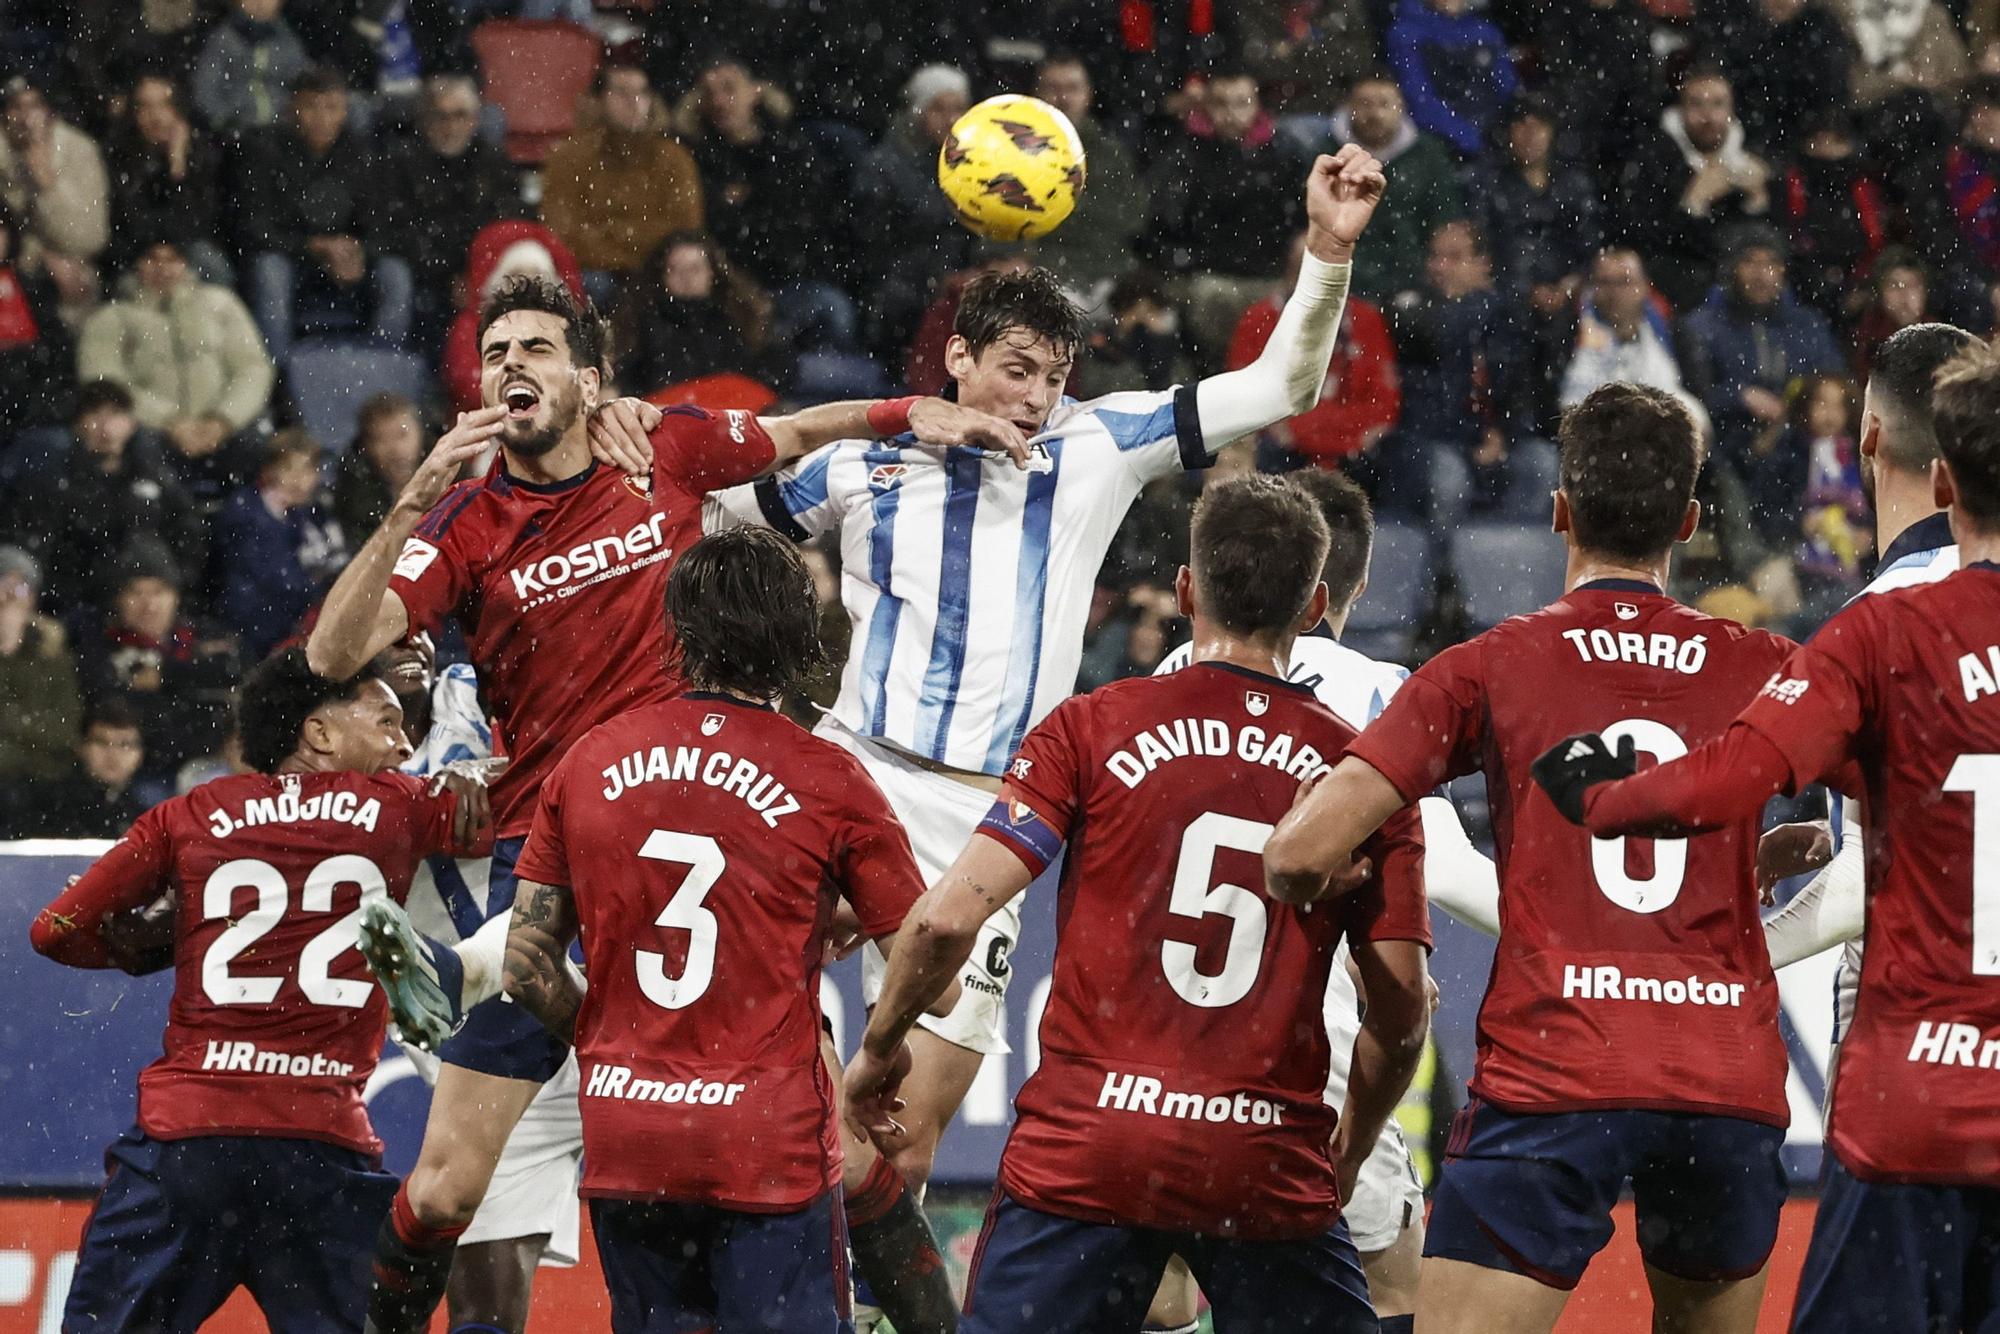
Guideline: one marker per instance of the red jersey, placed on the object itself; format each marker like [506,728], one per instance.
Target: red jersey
[705,841]
[1184,1053]
[561,589]
[1907,684]
[1630,972]
[274,1025]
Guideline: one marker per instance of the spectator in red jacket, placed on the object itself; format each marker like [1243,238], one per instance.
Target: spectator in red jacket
[499,251]
[1362,396]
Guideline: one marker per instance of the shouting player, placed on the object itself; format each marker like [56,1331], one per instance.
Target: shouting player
[968,582]
[698,846]
[253,1163]
[1386,1211]
[1630,1027]
[1896,699]
[1180,1104]
[555,568]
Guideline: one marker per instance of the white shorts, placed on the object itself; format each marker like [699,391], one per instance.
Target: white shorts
[534,1188]
[1388,1195]
[940,815]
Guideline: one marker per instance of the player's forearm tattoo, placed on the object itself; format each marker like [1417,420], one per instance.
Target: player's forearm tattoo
[549,908]
[543,924]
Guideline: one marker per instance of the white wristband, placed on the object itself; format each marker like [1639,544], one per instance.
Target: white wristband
[1321,282]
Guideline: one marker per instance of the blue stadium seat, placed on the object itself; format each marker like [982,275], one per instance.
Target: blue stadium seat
[1398,592]
[330,381]
[1505,569]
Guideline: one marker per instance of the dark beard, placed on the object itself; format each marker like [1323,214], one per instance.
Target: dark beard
[563,410]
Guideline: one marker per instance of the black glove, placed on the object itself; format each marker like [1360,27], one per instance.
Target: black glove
[1571,767]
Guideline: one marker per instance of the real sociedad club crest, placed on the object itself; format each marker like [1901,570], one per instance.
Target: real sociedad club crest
[1256,701]
[1626,611]
[711,724]
[886,476]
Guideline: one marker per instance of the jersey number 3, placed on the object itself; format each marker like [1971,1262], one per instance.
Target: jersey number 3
[685,911]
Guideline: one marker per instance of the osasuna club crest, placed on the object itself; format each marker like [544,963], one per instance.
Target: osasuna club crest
[1256,701]
[1626,611]
[711,724]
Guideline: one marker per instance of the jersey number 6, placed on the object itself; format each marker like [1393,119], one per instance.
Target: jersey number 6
[1670,855]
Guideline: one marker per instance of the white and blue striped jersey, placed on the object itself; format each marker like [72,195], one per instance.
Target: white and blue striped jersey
[1922,554]
[448,895]
[968,581]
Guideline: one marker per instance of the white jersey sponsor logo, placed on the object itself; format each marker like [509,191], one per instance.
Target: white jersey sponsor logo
[617,1081]
[1148,1097]
[1607,982]
[249,1058]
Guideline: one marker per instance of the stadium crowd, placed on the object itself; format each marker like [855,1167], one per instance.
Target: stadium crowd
[205,207]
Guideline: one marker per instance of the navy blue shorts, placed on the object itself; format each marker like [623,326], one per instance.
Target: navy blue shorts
[1900,1259]
[181,1224]
[674,1267]
[1054,1275]
[1531,1193]
[498,1036]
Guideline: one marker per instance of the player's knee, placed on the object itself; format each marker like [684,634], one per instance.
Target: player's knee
[442,1198]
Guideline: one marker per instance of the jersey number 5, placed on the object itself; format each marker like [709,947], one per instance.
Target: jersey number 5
[702,856]
[1194,897]
[316,959]
[1670,855]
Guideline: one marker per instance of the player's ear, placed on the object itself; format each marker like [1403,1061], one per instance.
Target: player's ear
[590,383]
[316,733]
[1315,608]
[1871,435]
[1560,519]
[1184,591]
[1944,490]
[1689,521]
[958,358]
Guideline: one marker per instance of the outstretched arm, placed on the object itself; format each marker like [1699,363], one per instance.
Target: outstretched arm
[539,975]
[1341,193]
[621,430]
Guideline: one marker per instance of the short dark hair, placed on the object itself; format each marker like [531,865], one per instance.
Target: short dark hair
[1258,546]
[97,395]
[291,442]
[1630,454]
[275,700]
[742,613]
[1905,368]
[112,711]
[1350,527]
[318,79]
[584,327]
[1965,409]
[378,408]
[1701,71]
[619,64]
[1031,299]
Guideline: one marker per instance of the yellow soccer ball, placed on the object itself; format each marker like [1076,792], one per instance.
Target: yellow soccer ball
[1012,168]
